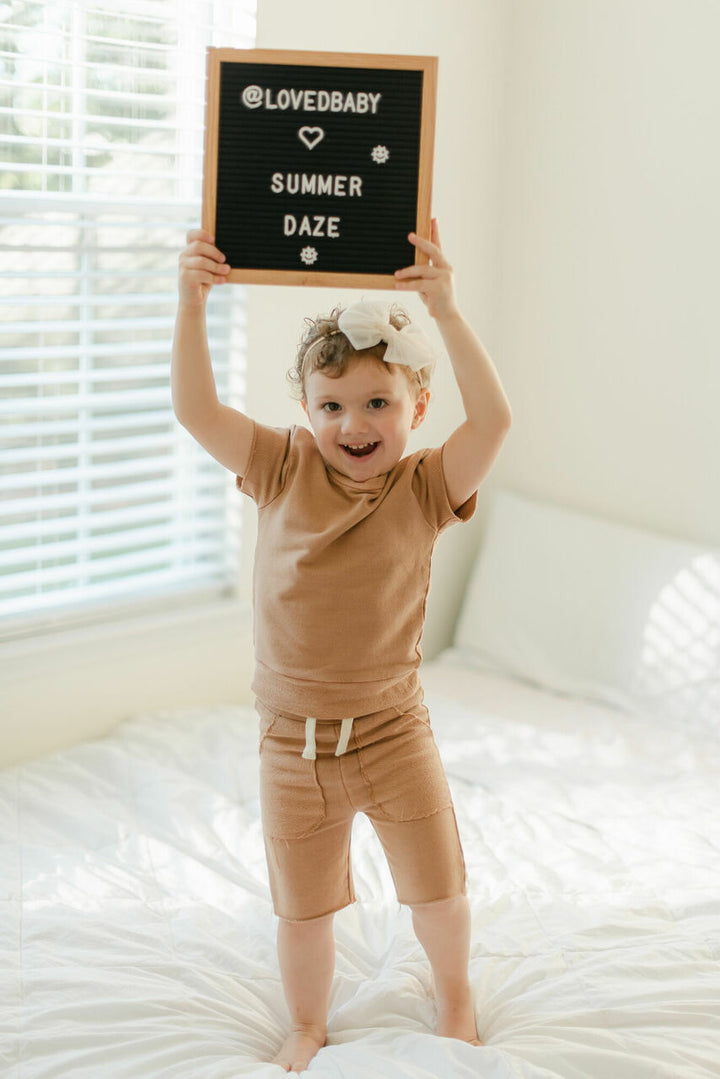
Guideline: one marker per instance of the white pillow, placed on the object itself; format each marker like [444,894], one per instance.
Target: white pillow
[579,605]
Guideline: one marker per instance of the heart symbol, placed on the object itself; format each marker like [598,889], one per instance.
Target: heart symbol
[311,136]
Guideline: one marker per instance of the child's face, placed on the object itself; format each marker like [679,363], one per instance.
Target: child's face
[362,419]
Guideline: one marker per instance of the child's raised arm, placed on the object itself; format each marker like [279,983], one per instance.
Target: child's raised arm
[472,448]
[223,431]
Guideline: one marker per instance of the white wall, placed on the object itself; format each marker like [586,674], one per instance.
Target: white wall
[607,278]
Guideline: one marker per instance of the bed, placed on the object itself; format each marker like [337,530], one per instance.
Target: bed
[137,936]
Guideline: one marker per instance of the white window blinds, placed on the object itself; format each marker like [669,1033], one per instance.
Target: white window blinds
[102,495]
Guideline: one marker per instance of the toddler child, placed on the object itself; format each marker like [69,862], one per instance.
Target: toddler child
[346,530]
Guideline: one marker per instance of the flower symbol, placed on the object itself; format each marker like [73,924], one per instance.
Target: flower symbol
[380,154]
[308,255]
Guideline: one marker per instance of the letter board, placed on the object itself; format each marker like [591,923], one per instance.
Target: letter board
[317,165]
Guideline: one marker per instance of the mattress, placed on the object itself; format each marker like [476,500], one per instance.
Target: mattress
[137,937]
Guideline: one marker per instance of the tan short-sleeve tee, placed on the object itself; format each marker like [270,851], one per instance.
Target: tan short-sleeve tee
[342,571]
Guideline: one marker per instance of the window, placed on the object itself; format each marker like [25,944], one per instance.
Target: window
[102,495]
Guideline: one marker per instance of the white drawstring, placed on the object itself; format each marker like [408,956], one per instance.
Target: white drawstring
[310,750]
[344,737]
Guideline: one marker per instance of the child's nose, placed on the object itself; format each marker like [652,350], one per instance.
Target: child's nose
[354,421]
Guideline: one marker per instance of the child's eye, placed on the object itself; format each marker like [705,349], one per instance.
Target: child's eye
[378,402]
[331,406]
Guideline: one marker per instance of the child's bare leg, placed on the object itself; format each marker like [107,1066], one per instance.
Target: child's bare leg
[306,951]
[443,929]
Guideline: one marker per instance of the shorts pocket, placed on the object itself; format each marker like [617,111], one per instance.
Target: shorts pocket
[406,772]
[291,799]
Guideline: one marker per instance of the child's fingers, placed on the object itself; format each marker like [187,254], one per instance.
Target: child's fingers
[421,271]
[208,265]
[416,284]
[200,247]
[200,234]
[429,248]
[424,245]
[205,251]
[423,279]
[201,266]
[203,277]
[202,242]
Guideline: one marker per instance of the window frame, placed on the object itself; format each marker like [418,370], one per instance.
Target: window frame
[180,213]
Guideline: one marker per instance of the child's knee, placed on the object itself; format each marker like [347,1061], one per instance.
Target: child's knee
[437,904]
[307,924]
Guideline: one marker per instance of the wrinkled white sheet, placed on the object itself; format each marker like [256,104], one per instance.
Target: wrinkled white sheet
[137,938]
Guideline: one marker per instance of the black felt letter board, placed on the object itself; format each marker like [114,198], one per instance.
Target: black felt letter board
[317,169]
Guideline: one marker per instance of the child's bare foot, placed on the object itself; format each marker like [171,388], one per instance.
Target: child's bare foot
[300,1047]
[456,1016]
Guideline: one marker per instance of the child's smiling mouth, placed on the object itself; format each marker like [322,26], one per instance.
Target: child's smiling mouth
[363,450]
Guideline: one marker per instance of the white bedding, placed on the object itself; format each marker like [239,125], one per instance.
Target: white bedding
[137,938]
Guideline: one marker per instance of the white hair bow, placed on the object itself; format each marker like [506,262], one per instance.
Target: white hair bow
[366,324]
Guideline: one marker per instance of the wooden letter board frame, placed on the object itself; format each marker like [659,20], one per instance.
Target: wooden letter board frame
[317,165]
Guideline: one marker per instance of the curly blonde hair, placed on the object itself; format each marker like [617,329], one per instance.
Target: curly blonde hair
[324,347]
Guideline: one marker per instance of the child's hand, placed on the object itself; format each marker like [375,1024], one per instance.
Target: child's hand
[201,267]
[433,282]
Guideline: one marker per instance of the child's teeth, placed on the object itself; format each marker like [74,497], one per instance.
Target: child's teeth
[359,449]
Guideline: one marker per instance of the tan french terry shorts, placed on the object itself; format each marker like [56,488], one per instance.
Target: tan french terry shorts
[390,770]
